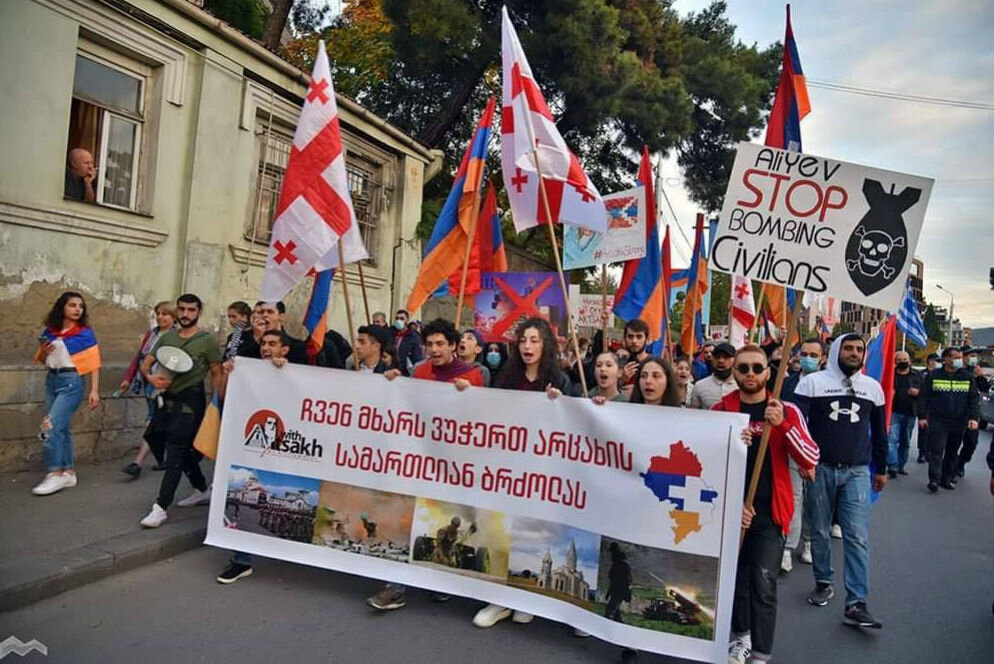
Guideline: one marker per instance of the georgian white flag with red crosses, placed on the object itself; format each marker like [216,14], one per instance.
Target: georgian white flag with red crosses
[528,132]
[743,312]
[315,210]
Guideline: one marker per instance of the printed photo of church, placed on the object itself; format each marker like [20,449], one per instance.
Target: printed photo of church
[554,559]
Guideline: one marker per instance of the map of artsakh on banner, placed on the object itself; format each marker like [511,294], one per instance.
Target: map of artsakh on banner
[621,520]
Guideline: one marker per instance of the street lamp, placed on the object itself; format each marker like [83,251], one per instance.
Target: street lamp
[949,341]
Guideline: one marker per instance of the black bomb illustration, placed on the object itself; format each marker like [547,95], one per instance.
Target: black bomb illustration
[878,247]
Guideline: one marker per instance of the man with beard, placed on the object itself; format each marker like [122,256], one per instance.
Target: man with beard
[709,391]
[272,315]
[182,407]
[845,413]
[636,337]
[754,609]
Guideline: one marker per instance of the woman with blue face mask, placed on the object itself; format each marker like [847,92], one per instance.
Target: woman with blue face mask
[495,357]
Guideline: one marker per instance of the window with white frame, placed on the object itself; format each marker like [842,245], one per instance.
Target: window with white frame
[274,142]
[107,119]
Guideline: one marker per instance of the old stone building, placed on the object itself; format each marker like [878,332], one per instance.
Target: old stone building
[566,579]
[189,124]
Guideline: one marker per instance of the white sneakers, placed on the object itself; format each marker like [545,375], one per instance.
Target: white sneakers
[836,531]
[196,498]
[156,517]
[786,561]
[739,649]
[806,552]
[522,618]
[53,483]
[490,615]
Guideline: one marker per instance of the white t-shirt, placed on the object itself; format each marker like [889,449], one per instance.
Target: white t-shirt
[59,357]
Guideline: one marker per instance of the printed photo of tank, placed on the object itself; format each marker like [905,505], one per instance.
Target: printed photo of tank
[461,539]
[364,521]
[657,589]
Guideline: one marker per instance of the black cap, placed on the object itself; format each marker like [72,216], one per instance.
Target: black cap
[967,349]
[932,356]
[724,348]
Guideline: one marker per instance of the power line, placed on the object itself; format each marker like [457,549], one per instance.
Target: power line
[902,96]
[676,221]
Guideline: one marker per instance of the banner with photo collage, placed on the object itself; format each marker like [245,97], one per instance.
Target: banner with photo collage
[621,520]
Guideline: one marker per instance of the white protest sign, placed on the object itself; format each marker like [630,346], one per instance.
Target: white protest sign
[500,495]
[587,308]
[624,240]
[820,225]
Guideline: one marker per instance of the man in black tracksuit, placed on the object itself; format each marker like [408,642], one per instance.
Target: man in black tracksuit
[949,406]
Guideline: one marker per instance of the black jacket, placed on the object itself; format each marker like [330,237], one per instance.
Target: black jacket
[949,398]
[904,403]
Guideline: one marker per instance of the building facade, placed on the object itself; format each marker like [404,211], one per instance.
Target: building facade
[188,123]
[566,579]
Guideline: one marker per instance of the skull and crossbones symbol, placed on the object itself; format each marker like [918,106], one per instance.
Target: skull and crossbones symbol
[874,252]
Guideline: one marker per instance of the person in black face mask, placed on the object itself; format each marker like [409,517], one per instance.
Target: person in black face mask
[907,386]
[709,391]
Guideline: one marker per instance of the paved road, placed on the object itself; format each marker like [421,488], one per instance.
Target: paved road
[932,579]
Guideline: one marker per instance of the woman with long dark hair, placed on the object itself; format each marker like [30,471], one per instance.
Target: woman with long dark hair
[495,356]
[656,384]
[532,366]
[68,349]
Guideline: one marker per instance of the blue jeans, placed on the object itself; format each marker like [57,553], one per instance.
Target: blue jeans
[846,490]
[63,393]
[899,439]
[241,558]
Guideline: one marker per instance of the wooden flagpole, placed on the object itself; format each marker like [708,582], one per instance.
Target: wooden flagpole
[474,219]
[362,287]
[348,307]
[604,305]
[764,442]
[759,312]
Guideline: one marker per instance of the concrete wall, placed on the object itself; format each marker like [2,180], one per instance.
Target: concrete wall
[201,159]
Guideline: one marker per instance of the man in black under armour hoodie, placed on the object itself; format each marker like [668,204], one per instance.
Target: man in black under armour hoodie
[949,406]
[845,413]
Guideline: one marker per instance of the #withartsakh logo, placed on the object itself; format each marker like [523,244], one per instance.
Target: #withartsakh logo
[263,429]
[677,479]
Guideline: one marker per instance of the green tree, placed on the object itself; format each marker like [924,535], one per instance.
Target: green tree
[249,16]
[721,287]
[932,328]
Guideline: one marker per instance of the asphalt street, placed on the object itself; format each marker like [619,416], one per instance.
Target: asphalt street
[932,585]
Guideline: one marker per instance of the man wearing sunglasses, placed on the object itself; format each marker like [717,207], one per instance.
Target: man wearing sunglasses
[754,611]
[845,413]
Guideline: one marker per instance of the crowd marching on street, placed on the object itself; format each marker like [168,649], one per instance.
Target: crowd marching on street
[829,443]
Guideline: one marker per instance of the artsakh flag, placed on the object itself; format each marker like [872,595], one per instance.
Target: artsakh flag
[641,293]
[314,211]
[446,248]
[791,104]
[743,311]
[528,132]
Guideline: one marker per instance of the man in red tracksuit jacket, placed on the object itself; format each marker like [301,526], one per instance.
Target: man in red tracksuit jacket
[754,611]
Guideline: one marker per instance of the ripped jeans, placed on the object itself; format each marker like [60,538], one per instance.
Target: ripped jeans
[63,394]
[754,608]
[846,491]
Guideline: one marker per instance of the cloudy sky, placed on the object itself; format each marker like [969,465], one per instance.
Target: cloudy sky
[931,48]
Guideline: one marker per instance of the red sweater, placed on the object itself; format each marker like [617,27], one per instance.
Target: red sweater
[790,437]
[449,372]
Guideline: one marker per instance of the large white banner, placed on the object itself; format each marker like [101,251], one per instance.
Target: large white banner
[621,520]
[820,225]
[623,241]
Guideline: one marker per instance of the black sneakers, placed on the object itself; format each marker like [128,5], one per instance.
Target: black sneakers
[933,487]
[821,595]
[233,572]
[858,615]
[947,485]
[132,469]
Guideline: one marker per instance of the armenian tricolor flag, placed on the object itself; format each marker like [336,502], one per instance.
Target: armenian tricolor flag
[783,129]
[316,315]
[487,253]
[640,294]
[692,329]
[446,248]
[81,344]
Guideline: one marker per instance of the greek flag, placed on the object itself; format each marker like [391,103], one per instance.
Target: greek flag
[909,320]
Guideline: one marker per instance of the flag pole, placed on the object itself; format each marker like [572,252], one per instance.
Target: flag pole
[474,219]
[764,442]
[348,307]
[759,312]
[362,287]
[559,266]
[604,305]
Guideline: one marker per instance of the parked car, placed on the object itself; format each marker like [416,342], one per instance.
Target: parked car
[986,409]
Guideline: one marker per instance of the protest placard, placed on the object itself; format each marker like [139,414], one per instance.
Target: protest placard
[623,241]
[506,298]
[820,225]
[500,495]
[587,308]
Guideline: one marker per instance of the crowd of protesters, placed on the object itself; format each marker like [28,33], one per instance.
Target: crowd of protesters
[829,439]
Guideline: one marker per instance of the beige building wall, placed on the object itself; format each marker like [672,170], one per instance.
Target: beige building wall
[209,93]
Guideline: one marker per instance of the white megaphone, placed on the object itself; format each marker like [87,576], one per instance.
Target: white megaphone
[169,363]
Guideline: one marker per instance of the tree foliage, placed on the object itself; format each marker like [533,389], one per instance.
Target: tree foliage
[249,16]
[932,327]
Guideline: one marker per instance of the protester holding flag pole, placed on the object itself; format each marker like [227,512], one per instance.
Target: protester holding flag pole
[543,178]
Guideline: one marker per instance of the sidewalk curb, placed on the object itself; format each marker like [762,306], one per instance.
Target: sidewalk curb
[27,581]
